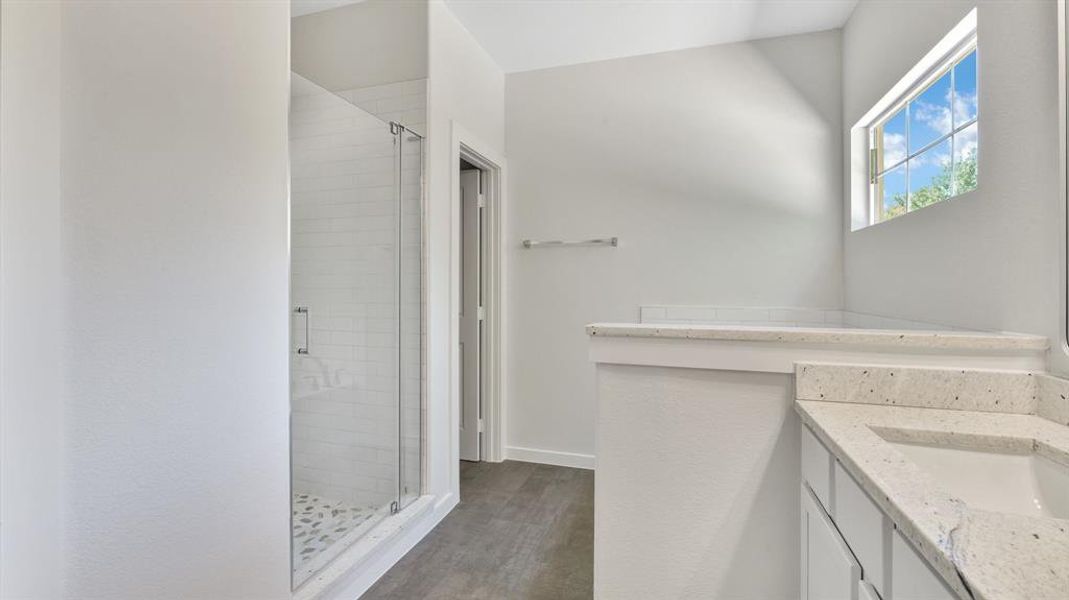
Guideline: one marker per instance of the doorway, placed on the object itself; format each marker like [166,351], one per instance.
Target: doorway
[478,205]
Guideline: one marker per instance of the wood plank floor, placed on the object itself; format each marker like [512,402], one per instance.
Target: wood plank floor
[521,532]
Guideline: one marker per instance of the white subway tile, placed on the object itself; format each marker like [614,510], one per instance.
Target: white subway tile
[743,315]
[690,313]
[652,314]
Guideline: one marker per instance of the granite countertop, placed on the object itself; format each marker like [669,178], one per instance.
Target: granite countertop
[982,554]
[964,340]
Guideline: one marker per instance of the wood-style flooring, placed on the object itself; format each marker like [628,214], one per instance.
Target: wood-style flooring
[522,531]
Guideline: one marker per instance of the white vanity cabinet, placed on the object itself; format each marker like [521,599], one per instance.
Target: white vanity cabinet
[817,467]
[865,591]
[912,577]
[851,550]
[828,567]
[865,526]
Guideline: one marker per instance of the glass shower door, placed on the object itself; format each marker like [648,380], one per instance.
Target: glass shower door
[349,300]
[411,318]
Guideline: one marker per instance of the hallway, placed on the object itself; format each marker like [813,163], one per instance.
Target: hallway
[522,531]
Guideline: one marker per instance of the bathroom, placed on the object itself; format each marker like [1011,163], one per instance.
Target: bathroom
[323,299]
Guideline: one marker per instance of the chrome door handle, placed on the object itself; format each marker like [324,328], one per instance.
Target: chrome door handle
[303,310]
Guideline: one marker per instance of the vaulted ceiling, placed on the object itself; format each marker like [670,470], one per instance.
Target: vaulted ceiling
[534,34]
[304,7]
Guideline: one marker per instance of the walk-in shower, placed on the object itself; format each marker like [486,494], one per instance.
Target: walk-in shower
[356,289]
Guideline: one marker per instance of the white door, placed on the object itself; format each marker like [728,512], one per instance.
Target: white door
[470,317]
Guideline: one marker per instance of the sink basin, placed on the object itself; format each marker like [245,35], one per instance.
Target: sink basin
[1025,484]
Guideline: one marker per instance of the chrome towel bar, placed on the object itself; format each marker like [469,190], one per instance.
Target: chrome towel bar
[594,242]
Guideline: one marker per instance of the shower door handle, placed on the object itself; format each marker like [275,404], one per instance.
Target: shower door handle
[303,310]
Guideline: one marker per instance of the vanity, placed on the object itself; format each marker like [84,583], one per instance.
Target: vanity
[939,485]
[706,434]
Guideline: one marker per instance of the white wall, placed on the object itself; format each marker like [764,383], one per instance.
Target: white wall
[466,87]
[364,44]
[696,494]
[175,265]
[717,167]
[32,563]
[989,259]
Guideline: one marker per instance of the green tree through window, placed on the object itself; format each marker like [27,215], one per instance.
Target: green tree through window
[951,181]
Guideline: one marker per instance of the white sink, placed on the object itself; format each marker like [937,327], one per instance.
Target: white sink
[1025,484]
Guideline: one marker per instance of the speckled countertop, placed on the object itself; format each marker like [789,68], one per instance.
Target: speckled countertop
[820,335]
[988,555]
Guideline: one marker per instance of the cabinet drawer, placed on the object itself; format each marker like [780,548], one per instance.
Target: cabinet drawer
[829,570]
[911,577]
[817,468]
[864,527]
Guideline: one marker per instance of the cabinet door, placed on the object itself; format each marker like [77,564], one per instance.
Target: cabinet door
[866,591]
[911,577]
[829,571]
[864,527]
[817,468]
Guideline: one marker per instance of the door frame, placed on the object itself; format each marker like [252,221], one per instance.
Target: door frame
[492,374]
[1059,357]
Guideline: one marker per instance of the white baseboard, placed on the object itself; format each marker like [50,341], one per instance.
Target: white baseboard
[550,457]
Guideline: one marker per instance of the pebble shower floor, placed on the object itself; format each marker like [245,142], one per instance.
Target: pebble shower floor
[322,528]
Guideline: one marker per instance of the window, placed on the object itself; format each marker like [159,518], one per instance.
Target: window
[925,148]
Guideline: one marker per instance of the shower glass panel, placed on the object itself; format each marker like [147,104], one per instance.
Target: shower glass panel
[350,289]
[411,241]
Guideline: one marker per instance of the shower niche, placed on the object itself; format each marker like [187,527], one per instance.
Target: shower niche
[356,279]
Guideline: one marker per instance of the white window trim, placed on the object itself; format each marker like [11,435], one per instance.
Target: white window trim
[946,66]
[954,45]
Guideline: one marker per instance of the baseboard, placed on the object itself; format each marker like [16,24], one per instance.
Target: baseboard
[550,457]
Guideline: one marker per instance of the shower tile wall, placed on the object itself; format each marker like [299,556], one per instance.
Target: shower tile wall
[344,203]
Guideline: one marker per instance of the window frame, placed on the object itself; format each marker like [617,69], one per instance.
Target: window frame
[944,65]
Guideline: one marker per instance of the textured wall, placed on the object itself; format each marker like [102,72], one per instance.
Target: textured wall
[32,561]
[466,89]
[697,485]
[719,169]
[989,259]
[365,44]
[175,263]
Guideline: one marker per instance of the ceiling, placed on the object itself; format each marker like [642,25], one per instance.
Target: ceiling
[304,7]
[522,35]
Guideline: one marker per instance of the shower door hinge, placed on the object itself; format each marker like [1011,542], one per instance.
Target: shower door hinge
[480,428]
[395,507]
[396,128]
[481,313]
